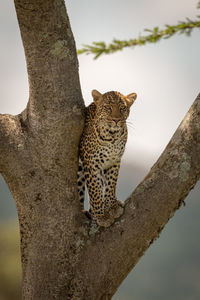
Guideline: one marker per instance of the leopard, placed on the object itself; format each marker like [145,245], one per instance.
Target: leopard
[102,145]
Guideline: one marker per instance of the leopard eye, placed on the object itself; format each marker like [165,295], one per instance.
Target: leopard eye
[122,109]
[108,109]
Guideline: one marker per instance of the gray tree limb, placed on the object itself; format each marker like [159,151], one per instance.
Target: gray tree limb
[51,58]
[41,171]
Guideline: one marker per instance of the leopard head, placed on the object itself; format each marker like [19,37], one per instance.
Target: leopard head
[112,108]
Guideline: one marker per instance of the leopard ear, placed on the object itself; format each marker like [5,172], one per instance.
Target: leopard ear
[96,95]
[130,98]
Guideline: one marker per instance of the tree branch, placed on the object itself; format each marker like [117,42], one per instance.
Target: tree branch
[51,58]
[10,138]
[156,34]
[147,210]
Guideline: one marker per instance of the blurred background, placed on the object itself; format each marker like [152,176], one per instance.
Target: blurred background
[166,77]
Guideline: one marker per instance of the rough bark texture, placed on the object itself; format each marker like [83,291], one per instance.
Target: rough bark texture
[65,255]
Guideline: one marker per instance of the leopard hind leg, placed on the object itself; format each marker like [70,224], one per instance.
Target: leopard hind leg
[81,184]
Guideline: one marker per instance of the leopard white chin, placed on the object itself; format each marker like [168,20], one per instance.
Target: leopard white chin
[114,129]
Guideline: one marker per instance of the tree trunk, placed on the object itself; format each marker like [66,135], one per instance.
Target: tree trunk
[64,254]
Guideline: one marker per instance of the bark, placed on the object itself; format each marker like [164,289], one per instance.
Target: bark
[64,254]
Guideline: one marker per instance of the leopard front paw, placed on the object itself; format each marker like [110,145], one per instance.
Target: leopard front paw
[117,209]
[105,221]
[122,204]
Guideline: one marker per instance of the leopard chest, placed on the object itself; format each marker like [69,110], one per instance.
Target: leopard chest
[103,153]
[103,146]
[109,154]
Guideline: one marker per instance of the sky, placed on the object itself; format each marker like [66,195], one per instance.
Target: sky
[165,75]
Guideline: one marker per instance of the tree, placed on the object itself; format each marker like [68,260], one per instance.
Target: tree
[64,254]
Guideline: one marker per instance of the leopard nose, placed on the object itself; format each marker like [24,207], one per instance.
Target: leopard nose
[116,120]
